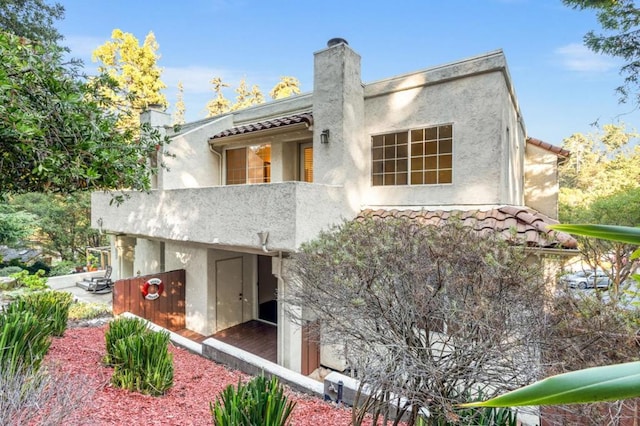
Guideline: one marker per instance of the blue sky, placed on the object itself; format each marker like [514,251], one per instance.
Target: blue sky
[561,86]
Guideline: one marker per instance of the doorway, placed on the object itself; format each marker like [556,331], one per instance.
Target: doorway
[229,296]
[267,291]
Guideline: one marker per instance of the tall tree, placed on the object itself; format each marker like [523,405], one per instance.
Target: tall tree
[32,19]
[179,110]
[287,86]
[620,20]
[219,104]
[134,68]
[55,135]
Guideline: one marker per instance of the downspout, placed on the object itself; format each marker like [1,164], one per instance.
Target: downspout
[219,163]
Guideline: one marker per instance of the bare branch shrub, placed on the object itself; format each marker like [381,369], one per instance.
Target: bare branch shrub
[42,397]
[433,314]
[590,330]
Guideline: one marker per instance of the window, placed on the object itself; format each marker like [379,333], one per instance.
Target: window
[306,162]
[415,157]
[251,164]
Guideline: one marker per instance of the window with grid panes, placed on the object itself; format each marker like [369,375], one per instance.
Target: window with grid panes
[415,157]
[250,164]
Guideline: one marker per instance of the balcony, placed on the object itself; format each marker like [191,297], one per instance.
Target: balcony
[227,216]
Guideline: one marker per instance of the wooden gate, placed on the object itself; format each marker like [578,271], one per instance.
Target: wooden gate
[310,347]
[167,311]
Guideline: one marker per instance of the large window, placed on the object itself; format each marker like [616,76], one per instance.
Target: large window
[251,164]
[414,157]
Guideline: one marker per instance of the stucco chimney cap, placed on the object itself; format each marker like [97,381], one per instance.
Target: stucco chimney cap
[336,41]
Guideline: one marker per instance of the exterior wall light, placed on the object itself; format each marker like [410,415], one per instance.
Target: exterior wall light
[324,136]
[264,236]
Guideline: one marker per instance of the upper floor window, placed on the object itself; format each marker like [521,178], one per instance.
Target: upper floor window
[415,157]
[250,164]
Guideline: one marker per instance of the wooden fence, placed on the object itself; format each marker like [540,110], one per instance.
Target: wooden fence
[167,311]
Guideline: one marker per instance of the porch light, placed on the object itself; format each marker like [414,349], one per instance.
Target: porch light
[324,136]
[264,236]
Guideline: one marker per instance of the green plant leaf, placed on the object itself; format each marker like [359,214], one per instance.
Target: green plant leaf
[608,383]
[623,234]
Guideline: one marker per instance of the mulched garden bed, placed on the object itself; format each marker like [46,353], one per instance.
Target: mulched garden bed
[197,381]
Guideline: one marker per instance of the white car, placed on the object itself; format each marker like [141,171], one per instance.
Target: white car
[586,279]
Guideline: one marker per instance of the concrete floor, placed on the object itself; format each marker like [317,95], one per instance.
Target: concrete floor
[68,283]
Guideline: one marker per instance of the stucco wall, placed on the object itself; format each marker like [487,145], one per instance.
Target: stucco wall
[147,256]
[541,180]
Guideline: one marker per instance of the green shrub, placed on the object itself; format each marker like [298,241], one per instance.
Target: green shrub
[143,363]
[7,271]
[84,310]
[261,401]
[37,266]
[36,281]
[50,307]
[119,329]
[24,340]
[64,267]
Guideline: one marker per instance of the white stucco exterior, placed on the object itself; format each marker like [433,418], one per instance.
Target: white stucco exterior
[193,220]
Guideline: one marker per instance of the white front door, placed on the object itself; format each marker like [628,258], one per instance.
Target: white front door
[229,297]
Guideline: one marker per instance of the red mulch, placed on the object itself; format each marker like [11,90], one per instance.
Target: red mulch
[197,381]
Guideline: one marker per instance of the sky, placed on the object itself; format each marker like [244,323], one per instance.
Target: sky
[561,86]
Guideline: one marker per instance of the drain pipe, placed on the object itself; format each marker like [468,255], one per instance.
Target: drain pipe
[219,163]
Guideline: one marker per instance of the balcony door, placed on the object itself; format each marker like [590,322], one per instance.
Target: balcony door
[306,162]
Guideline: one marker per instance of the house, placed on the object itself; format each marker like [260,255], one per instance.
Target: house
[247,188]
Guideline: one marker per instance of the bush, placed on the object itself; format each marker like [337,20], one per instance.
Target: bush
[259,402]
[50,307]
[36,281]
[37,266]
[143,363]
[62,268]
[119,329]
[7,271]
[84,310]
[24,340]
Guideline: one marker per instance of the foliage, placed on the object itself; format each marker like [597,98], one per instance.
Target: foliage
[596,384]
[143,363]
[15,226]
[287,86]
[620,20]
[35,281]
[28,392]
[85,311]
[64,267]
[50,307]
[428,313]
[24,340]
[179,108]
[7,271]
[32,19]
[119,329]
[261,401]
[55,134]
[134,69]
[62,222]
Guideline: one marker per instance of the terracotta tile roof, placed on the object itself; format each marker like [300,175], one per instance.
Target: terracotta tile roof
[513,223]
[552,148]
[289,120]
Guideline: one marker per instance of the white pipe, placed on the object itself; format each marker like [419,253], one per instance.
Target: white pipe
[219,163]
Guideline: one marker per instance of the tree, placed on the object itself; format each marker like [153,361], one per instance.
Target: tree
[31,19]
[429,314]
[287,86]
[63,223]
[15,226]
[620,20]
[55,134]
[178,114]
[134,68]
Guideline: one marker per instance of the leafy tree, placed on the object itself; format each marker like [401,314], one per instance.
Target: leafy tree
[15,226]
[417,319]
[620,20]
[32,19]
[134,68]
[63,223]
[287,86]
[601,164]
[55,134]
[178,114]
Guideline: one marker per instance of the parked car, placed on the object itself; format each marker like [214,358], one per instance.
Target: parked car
[586,279]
